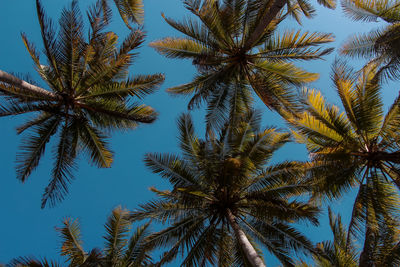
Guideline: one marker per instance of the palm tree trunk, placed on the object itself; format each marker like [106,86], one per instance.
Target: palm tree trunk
[365,256]
[265,20]
[366,259]
[21,84]
[248,249]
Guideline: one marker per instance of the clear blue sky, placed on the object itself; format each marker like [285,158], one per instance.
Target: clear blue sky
[25,229]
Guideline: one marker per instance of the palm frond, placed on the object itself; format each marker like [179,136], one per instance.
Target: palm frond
[34,146]
[72,242]
[117,229]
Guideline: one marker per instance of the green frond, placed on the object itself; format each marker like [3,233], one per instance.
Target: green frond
[117,230]
[12,108]
[360,97]
[391,122]
[204,249]
[33,262]
[115,115]
[72,242]
[293,45]
[192,29]
[209,14]
[177,237]
[361,45]
[162,211]
[34,145]
[188,140]
[133,41]
[139,86]
[39,119]
[287,72]
[70,44]
[130,11]
[179,48]
[50,43]
[95,145]
[276,174]
[65,155]
[137,250]
[327,3]
[170,167]
[372,10]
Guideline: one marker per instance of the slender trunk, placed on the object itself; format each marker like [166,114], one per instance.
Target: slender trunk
[21,84]
[366,257]
[265,20]
[248,249]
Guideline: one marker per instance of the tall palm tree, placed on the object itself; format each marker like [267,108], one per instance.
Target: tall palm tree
[341,252]
[121,248]
[225,198]
[357,148]
[89,95]
[381,45]
[227,69]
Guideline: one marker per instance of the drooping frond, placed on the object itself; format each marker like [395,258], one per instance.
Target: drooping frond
[34,145]
[117,230]
[130,11]
[72,242]
[65,155]
[33,262]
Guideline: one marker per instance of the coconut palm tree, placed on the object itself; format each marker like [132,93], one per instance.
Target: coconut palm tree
[225,198]
[88,97]
[343,252]
[227,68]
[121,248]
[381,45]
[357,148]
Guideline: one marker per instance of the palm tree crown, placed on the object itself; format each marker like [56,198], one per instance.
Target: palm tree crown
[381,45]
[356,148]
[89,95]
[216,44]
[225,197]
[120,249]
[343,252]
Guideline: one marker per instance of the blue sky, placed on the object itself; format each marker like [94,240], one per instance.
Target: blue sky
[26,229]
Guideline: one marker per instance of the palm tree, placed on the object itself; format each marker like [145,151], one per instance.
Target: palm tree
[381,45]
[119,250]
[225,197]
[356,148]
[89,97]
[217,45]
[342,252]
